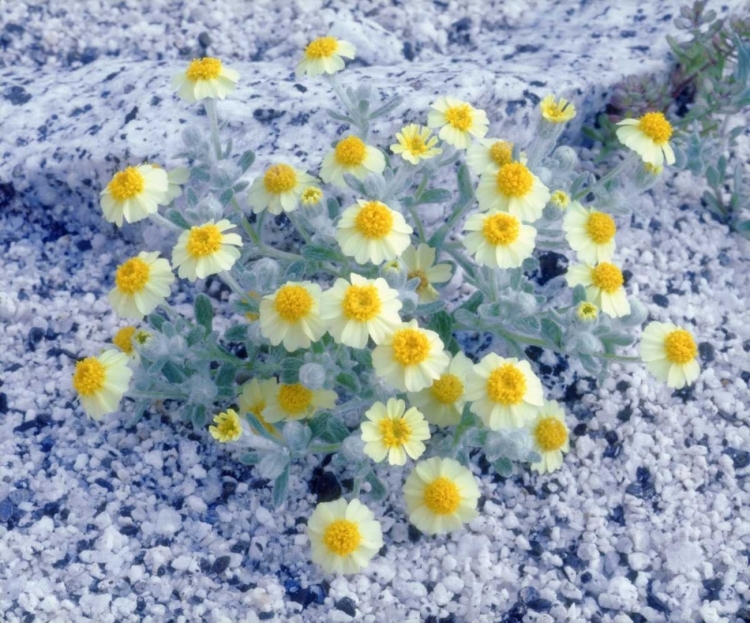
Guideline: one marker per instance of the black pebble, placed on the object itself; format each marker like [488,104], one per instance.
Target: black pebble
[740,458]
[611,437]
[267,115]
[408,51]
[105,483]
[129,530]
[266,616]
[660,300]
[713,588]
[347,604]
[3,403]
[624,414]
[539,605]
[528,594]
[83,245]
[325,486]
[706,351]
[586,577]
[580,429]
[16,95]
[743,615]
[34,337]
[204,39]
[551,265]
[220,564]
[414,533]
[613,451]
[622,386]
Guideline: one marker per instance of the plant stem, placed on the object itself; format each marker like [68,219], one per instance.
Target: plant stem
[298,226]
[255,237]
[417,222]
[158,218]
[227,277]
[213,120]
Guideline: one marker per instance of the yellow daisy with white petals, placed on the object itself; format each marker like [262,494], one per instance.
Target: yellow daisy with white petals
[279,189]
[489,154]
[134,194]
[420,263]
[441,495]
[513,188]
[291,315]
[255,396]
[205,78]
[372,232]
[604,286]
[505,393]
[351,155]
[590,233]
[648,137]
[394,432]
[549,437]
[141,284]
[101,382]
[296,402]
[206,250]
[443,402]
[226,427]
[360,309]
[557,111]
[415,143]
[499,239]
[458,121]
[343,537]
[670,354]
[324,55]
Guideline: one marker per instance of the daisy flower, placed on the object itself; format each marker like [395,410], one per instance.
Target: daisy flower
[560,198]
[419,263]
[648,137]
[443,402]
[458,121]
[515,189]
[206,250]
[101,382]
[604,286]
[505,393]
[557,111]
[490,154]
[587,311]
[280,189]
[391,432]
[549,437]
[205,78]
[356,311]
[255,396]
[441,495]
[227,427]
[415,143]
[297,402]
[141,284]
[499,239]
[669,353]
[372,232]
[410,358]
[343,537]
[311,196]
[324,55]
[123,339]
[134,193]
[351,155]
[590,233]
[291,315]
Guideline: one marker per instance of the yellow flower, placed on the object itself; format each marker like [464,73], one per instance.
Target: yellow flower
[227,427]
[278,189]
[648,137]
[141,285]
[443,402]
[669,353]
[351,155]
[415,143]
[590,233]
[489,154]
[419,263]
[513,188]
[324,56]
[372,232]
[291,315]
[297,402]
[499,239]
[205,78]
[343,537]
[560,198]
[458,121]
[101,382]
[604,286]
[557,111]
[134,194]
[311,196]
[123,339]
[549,437]
[255,397]
[441,495]
[587,311]
[391,432]
[206,250]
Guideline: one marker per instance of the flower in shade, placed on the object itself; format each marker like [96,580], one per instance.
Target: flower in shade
[324,55]
[415,143]
[443,402]
[356,311]
[499,239]
[489,154]
[410,358]
[297,402]
[141,284]
[557,111]
[648,137]
[134,194]
[255,397]
[101,382]
[441,495]
[311,196]
[205,78]
[291,315]
[351,155]
[604,286]
[123,339]
[344,537]
[420,263]
[590,233]
[505,393]
[513,188]
[549,436]
[394,433]
[372,232]
[669,353]
[227,427]
[206,250]
[458,121]
[279,189]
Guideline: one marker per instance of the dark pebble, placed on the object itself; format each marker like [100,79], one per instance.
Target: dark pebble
[654,602]
[713,588]
[611,437]
[104,483]
[266,616]
[740,458]
[51,509]
[660,300]
[227,489]
[325,486]
[220,564]
[624,414]
[743,614]
[539,605]
[622,386]
[586,577]
[129,530]
[3,403]
[528,594]
[204,39]
[6,510]
[572,560]
[16,95]
[706,351]
[267,115]
[414,533]
[637,617]
[613,451]
[551,265]
[35,336]
[408,51]
[515,614]
[580,429]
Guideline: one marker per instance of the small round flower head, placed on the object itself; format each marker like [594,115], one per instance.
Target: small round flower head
[515,189]
[101,382]
[458,121]
[420,262]
[291,315]
[351,155]
[648,137]
[441,495]
[560,198]
[311,196]
[415,143]
[489,154]
[141,284]
[590,233]
[557,111]
[549,437]
[324,55]
[255,397]
[205,78]
[134,194]
[443,402]
[410,358]
[297,402]
[372,232]
[279,189]
[344,537]
[227,427]
[391,432]
[499,239]
[505,393]
[357,310]
[669,353]
[206,250]
[604,286]
[123,339]
[588,312]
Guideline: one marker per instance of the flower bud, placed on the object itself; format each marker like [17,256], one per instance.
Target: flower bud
[312,375]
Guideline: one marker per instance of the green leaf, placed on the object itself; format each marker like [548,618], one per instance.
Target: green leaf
[551,331]
[199,416]
[172,373]
[202,174]
[389,106]
[590,364]
[465,187]
[362,357]
[378,490]
[297,437]
[250,458]
[618,339]
[435,195]
[339,117]
[333,208]
[281,488]
[579,294]
[173,216]
[195,335]
[295,271]
[349,381]
[323,448]
[442,324]
[226,197]
[430,308]
[473,302]
[273,463]
[503,467]
[226,375]
[192,198]
[237,333]
[319,423]
[204,312]
[317,253]
[156,321]
[336,431]
[528,324]
[246,160]
[240,186]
